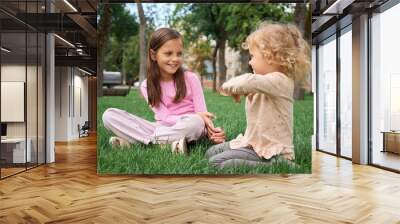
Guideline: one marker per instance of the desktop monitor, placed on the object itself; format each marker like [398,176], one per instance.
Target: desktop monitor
[3,129]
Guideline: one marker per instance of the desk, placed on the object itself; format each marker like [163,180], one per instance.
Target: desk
[391,141]
[13,150]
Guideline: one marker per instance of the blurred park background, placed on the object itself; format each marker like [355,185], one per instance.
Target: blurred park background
[213,34]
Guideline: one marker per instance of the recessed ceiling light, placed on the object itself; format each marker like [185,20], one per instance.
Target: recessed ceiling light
[70,5]
[5,50]
[337,7]
[84,71]
[64,40]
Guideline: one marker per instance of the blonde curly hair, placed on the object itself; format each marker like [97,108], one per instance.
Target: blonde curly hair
[283,45]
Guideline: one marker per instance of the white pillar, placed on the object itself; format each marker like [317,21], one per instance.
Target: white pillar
[360,90]
[50,94]
[50,106]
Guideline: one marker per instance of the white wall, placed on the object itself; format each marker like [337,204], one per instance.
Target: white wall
[14,73]
[34,124]
[70,83]
[80,89]
[61,103]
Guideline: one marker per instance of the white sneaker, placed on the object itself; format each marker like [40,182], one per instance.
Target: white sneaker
[180,146]
[119,142]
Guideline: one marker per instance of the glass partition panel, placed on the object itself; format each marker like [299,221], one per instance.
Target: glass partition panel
[41,99]
[14,154]
[346,93]
[32,96]
[327,95]
[385,89]
[22,62]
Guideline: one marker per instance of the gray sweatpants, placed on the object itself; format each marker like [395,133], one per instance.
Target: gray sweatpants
[222,156]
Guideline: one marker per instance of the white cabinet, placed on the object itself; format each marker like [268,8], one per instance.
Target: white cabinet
[16,146]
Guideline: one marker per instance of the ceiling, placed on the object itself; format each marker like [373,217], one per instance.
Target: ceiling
[332,15]
[74,22]
[210,1]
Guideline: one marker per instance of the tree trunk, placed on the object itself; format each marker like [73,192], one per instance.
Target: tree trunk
[202,80]
[221,62]
[244,61]
[201,70]
[307,28]
[307,36]
[123,73]
[102,36]
[300,16]
[142,42]
[214,62]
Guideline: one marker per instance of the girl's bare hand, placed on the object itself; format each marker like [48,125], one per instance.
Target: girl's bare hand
[207,118]
[217,135]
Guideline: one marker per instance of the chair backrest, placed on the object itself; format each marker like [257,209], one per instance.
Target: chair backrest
[86,125]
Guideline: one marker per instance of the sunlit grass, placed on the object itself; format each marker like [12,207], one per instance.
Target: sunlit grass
[153,159]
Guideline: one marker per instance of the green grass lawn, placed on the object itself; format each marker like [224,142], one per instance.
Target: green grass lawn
[152,159]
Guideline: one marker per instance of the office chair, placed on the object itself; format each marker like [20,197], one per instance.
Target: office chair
[84,130]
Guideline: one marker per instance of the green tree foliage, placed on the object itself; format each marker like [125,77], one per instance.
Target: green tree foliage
[242,19]
[207,20]
[131,60]
[225,24]
[104,21]
[123,24]
[120,54]
[201,51]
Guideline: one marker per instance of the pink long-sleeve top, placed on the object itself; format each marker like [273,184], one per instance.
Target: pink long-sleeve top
[167,112]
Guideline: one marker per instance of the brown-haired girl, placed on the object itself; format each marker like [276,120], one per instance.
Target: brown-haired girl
[279,58]
[175,96]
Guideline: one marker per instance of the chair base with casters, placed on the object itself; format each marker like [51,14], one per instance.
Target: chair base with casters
[84,130]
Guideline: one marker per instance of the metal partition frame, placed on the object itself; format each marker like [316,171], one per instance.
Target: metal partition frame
[44,75]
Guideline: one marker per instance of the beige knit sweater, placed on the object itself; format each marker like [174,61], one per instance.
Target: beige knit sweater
[269,113]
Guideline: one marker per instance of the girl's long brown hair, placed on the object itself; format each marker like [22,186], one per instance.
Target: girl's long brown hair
[158,38]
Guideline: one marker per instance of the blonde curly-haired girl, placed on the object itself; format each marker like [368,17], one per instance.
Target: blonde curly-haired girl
[280,57]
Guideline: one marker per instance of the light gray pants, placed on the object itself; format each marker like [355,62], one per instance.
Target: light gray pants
[135,129]
[222,156]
